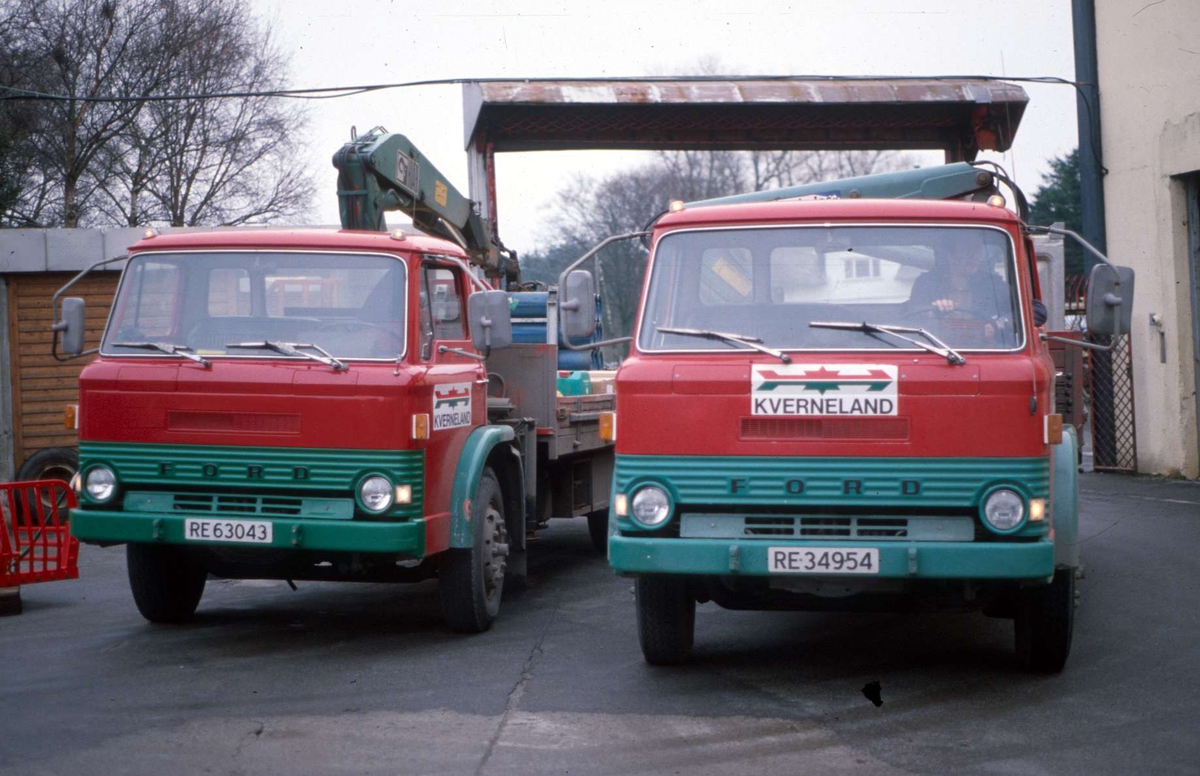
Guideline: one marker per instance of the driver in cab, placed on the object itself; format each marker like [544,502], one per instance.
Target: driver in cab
[962,284]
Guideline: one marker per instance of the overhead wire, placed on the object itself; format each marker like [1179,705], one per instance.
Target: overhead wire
[338,92]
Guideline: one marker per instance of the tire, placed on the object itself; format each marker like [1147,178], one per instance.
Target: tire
[167,581]
[1044,624]
[666,616]
[471,581]
[598,530]
[52,463]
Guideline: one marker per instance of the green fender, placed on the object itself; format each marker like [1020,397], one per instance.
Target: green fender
[475,452]
[1066,500]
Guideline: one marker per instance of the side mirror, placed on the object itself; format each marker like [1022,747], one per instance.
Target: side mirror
[578,305]
[71,325]
[1109,300]
[491,321]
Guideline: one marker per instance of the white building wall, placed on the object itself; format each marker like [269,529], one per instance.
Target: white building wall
[1149,69]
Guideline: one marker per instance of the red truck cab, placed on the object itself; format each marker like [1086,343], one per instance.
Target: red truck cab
[296,405]
[843,404]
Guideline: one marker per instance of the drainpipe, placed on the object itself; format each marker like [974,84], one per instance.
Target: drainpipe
[1087,107]
[1091,194]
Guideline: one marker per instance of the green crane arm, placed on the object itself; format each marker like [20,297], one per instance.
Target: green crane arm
[384,171]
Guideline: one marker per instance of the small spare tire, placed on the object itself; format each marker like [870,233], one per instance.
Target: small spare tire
[52,463]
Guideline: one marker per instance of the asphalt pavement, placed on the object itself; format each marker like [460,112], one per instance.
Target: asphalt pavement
[365,679]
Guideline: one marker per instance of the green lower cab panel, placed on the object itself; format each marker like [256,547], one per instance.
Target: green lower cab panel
[919,560]
[395,538]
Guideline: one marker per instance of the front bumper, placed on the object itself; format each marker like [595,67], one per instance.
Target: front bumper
[108,527]
[905,560]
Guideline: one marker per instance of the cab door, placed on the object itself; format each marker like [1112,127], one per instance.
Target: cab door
[455,385]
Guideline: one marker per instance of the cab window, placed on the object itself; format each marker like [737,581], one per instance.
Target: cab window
[441,308]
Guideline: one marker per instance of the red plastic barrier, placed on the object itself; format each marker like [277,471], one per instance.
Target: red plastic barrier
[35,543]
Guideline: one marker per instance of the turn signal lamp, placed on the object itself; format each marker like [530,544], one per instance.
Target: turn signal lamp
[404,494]
[71,417]
[1037,509]
[996,200]
[421,425]
[1054,430]
[675,206]
[608,427]
[621,505]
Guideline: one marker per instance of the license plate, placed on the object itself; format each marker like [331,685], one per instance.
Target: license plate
[202,529]
[824,560]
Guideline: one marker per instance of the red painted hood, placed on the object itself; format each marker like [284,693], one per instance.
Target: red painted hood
[277,404]
[704,405]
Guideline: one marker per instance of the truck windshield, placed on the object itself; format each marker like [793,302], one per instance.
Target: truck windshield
[350,305]
[957,283]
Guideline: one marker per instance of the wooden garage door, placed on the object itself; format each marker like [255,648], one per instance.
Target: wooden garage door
[41,386]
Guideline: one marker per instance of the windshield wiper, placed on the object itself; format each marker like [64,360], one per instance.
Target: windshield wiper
[741,339]
[938,347]
[294,349]
[166,347]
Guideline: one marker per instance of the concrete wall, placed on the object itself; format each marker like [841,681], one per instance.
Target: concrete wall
[1149,61]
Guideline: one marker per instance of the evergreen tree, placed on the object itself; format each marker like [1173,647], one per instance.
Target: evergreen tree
[1058,200]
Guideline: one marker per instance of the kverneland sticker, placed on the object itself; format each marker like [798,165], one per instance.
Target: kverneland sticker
[451,406]
[823,389]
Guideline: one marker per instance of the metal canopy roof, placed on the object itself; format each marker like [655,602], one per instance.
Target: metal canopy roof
[959,116]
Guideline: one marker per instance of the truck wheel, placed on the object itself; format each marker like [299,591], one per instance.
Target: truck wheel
[167,581]
[471,580]
[1045,622]
[666,615]
[598,529]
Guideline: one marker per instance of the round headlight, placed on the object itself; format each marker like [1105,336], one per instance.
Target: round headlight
[101,483]
[375,493]
[651,506]
[1004,509]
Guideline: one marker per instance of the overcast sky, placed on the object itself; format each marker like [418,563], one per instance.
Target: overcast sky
[374,41]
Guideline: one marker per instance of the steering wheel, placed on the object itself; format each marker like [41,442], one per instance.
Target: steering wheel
[358,324]
[932,313]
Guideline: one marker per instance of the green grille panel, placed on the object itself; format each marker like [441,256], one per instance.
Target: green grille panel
[258,470]
[784,481]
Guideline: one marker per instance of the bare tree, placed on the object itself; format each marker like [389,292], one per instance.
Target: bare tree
[91,48]
[24,191]
[137,161]
[226,161]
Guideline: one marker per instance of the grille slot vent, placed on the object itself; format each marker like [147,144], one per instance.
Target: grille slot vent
[237,422]
[237,505]
[829,429]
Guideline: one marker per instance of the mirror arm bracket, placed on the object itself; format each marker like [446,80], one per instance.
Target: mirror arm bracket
[1074,236]
[1080,343]
[562,279]
[461,352]
[59,324]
